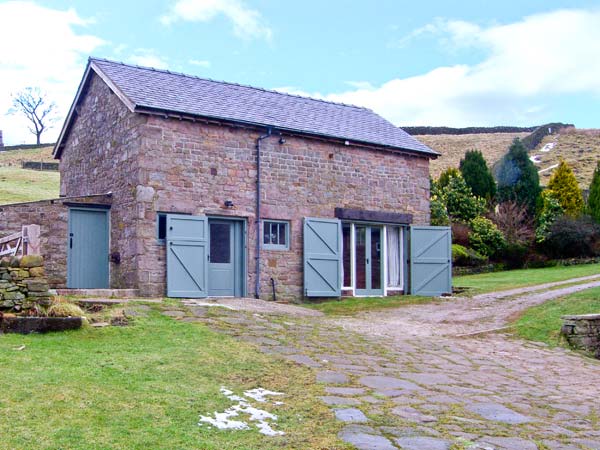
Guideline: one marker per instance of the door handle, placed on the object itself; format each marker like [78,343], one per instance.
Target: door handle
[70,240]
[367,260]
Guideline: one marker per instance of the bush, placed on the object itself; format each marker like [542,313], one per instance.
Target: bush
[460,233]
[550,211]
[514,222]
[593,205]
[566,190]
[517,178]
[461,204]
[570,237]
[437,207]
[485,237]
[62,308]
[514,255]
[463,256]
[477,175]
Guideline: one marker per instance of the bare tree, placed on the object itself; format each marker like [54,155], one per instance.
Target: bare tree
[33,103]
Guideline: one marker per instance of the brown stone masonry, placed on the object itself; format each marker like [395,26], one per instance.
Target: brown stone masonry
[52,216]
[193,168]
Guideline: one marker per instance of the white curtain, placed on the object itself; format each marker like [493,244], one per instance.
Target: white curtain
[393,257]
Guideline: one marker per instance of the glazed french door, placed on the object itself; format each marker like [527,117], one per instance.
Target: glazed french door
[368,243]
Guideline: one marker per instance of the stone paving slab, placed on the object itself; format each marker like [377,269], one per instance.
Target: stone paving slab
[365,438]
[491,392]
[422,443]
[350,415]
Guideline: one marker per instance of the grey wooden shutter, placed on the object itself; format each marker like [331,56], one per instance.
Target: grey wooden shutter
[322,257]
[187,256]
[430,260]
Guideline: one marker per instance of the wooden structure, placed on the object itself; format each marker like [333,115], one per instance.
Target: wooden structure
[26,242]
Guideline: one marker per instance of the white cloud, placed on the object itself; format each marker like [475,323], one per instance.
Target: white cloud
[148,58]
[247,23]
[40,47]
[526,63]
[200,63]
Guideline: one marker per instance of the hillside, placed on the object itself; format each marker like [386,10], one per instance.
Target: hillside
[453,147]
[578,147]
[19,185]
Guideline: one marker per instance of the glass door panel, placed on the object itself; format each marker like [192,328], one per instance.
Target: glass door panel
[368,243]
[360,241]
[375,258]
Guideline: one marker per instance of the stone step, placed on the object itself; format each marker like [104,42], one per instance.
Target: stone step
[105,293]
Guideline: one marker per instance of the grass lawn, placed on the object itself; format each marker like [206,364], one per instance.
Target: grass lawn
[351,305]
[19,185]
[144,386]
[542,323]
[509,279]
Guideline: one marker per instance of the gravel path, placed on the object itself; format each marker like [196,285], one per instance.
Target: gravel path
[456,316]
[401,379]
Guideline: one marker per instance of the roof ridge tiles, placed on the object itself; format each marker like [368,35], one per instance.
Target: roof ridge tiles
[273,91]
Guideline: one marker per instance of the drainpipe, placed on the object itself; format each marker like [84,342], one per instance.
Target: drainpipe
[257,280]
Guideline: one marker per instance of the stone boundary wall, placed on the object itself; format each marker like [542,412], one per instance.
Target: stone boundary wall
[582,332]
[53,218]
[23,284]
[40,165]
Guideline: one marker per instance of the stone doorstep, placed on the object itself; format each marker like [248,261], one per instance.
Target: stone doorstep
[104,293]
[114,301]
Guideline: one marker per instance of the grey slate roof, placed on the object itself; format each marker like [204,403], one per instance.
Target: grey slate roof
[148,88]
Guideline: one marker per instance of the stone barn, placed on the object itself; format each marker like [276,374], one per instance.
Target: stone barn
[188,187]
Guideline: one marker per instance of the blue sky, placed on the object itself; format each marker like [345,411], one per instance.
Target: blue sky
[416,63]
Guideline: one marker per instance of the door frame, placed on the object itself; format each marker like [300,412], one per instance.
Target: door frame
[100,209]
[243,258]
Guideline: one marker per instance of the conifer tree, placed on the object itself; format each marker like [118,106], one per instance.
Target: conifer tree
[563,185]
[477,175]
[517,178]
[593,206]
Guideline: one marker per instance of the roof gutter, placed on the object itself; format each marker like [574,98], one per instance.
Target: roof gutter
[257,276]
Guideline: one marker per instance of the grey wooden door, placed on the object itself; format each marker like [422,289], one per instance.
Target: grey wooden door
[430,260]
[187,256]
[322,257]
[87,255]
[368,244]
[221,268]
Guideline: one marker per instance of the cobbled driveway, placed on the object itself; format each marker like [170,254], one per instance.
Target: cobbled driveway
[398,380]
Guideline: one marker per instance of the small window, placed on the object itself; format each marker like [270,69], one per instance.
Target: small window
[161,226]
[276,235]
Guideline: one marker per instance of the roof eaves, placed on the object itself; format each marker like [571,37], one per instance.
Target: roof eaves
[142,109]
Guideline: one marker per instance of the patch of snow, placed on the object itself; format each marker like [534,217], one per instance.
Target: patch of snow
[553,166]
[261,417]
[536,159]
[259,394]
[549,146]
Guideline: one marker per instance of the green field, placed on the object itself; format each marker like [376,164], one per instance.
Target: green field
[509,279]
[542,323]
[144,386]
[19,185]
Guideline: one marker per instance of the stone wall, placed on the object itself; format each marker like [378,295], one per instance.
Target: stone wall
[101,155]
[582,332]
[23,284]
[52,216]
[193,168]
